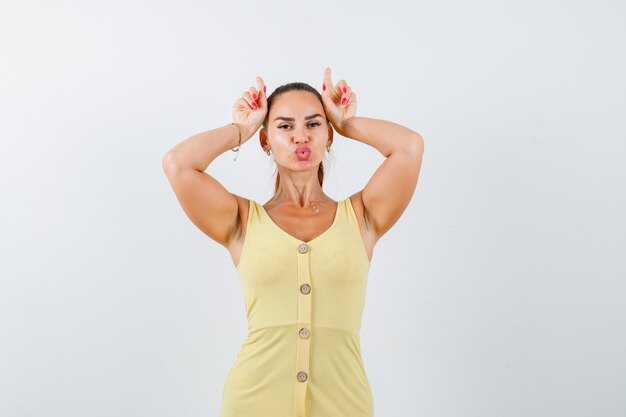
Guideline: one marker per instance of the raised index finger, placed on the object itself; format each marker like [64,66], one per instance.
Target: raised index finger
[328,82]
[260,84]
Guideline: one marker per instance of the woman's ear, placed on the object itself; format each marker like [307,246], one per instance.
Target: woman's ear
[331,132]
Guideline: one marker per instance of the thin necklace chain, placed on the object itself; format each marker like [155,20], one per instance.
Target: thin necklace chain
[314,207]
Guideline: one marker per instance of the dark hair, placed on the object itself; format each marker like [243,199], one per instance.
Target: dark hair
[294,86]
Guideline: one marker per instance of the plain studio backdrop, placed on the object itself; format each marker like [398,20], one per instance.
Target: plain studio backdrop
[499,292]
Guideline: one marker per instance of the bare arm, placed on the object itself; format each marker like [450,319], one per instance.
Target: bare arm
[389,191]
[198,151]
[211,207]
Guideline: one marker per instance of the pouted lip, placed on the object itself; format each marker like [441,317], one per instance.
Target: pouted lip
[303,148]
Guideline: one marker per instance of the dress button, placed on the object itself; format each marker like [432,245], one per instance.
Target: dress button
[304,333]
[302,376]
[305,288]
[303,248]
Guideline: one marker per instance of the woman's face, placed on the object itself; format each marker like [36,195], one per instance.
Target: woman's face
[297,131]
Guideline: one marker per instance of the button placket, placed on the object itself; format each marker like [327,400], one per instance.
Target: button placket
[305,292]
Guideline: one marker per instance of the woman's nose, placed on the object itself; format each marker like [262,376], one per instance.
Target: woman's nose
[300,135]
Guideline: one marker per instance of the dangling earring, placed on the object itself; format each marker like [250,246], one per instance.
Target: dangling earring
[267,151]
[328,149]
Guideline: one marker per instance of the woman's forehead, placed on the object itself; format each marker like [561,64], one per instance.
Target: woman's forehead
[295,105]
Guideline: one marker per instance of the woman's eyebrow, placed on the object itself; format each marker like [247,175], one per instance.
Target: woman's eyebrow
[291,119]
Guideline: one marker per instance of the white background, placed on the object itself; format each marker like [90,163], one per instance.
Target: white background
[499,293]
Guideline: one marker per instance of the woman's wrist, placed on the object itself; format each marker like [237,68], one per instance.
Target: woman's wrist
[345,126]
[245,132]
[239,138]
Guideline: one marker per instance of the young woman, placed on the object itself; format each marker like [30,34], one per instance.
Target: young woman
[303,258]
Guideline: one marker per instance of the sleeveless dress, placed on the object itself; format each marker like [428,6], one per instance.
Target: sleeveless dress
[304,302]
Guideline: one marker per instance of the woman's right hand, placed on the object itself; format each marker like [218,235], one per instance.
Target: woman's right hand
[250,110]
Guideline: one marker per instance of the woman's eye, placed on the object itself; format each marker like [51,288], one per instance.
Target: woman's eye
[310,124]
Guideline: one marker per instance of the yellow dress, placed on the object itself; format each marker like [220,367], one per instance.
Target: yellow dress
[304,302]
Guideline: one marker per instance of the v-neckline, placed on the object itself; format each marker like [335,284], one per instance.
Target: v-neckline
[295,238]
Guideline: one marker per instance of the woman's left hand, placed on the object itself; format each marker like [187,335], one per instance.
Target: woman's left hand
[339,101]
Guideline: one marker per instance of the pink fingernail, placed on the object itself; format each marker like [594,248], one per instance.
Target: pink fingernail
[254,106]
[345,89]
[324,87]
[254,96]
[344,100]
